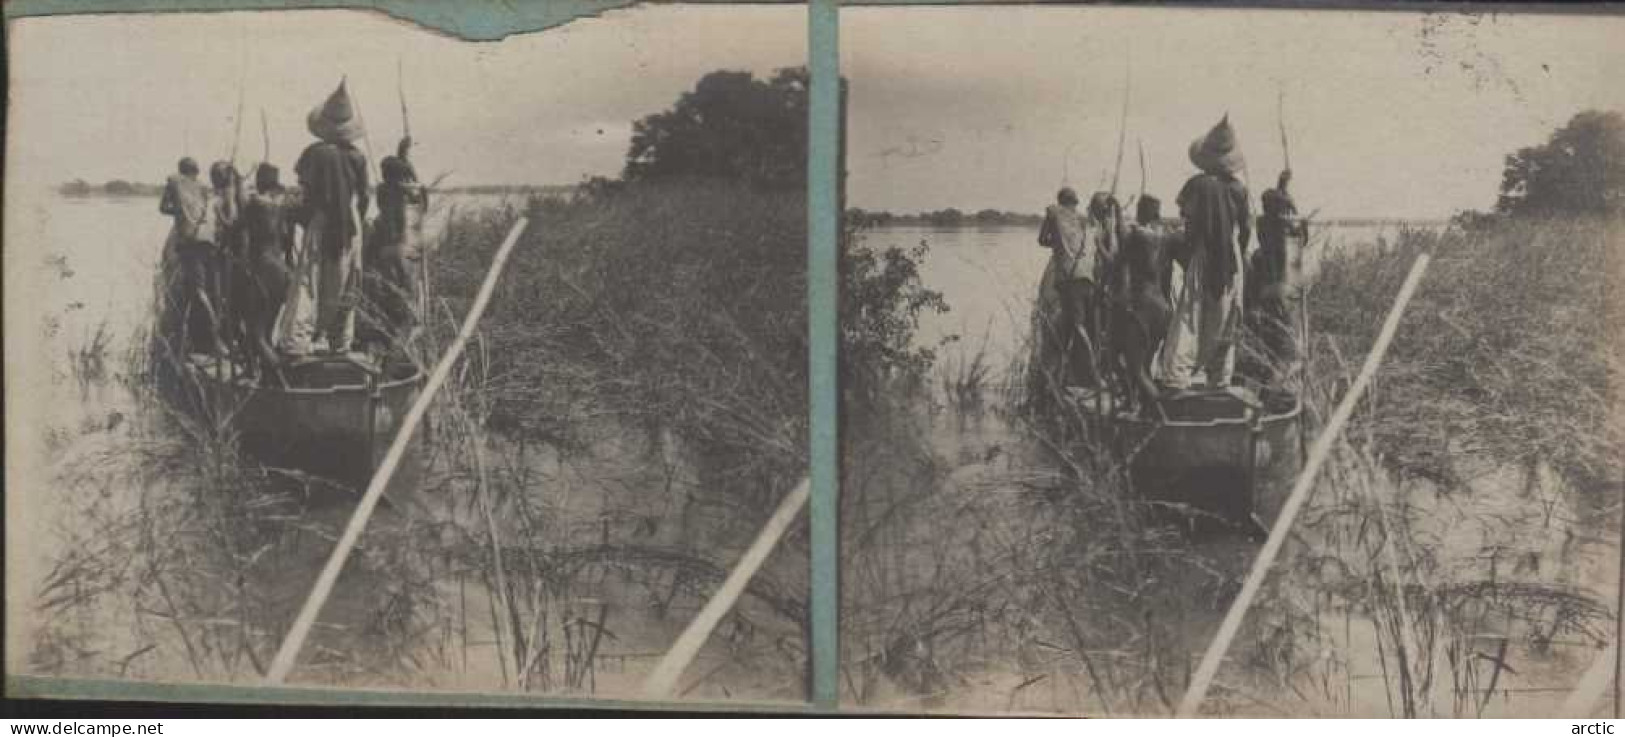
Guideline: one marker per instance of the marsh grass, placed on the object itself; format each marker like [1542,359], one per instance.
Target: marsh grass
[1018,571]
[1464,582]
[1509,353]
[562,531]
[966,380]
[625,414]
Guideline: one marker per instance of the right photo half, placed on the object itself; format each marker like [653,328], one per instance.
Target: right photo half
[1231,362]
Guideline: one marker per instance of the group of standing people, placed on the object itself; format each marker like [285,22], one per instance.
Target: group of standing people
[1148,308]
[264,273]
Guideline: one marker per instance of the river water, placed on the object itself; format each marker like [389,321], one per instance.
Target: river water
[79,271]
[1512,527]
[988,275]
[79,279]
[81,462]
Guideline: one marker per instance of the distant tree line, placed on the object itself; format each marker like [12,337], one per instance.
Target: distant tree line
[951,217]
[111,188]
[121,188]
[731,126]
[1578,172]
[538,190]
[947,218]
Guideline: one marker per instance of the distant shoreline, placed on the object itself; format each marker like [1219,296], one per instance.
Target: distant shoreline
[119,189]
[990,219]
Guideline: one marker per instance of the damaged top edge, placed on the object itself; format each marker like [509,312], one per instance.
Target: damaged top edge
[489,20]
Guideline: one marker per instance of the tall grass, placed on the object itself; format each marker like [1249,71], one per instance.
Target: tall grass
[592,464]
[1508,356]
[649,342]
[676,308]
[1019,571]
[990,562]
[1503,365]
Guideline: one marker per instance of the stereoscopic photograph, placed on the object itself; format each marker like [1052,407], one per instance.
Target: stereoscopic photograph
[1230,362]
[344,352]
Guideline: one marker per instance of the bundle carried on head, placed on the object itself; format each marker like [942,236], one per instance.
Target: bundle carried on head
[335,120]
[1217,152]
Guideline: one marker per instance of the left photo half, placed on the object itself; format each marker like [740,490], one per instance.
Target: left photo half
[344,353]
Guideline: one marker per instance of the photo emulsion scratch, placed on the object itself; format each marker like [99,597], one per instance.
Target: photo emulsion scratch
[1229,362]
[344,353]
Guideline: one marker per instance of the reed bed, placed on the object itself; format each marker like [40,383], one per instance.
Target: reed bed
[579,499]
[1439,570]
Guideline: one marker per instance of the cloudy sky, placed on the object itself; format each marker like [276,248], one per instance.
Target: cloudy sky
[123,96]
[1391,114]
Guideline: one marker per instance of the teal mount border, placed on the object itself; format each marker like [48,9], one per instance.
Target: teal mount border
[84,689]
[823,219]
[491,20]
[471,20]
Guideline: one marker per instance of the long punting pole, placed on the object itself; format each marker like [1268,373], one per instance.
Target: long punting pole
[1144,177]
[1122,123]
[663,681]
[1300,493]
[400,89]
[1280,120]
[357,266]
[1301,226]
[295,639]
[242,93]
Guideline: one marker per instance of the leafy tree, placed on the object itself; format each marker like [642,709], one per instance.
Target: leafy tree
[730,126]
[1579,171]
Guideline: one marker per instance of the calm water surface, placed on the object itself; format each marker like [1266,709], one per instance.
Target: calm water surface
[1508,528]
[989,276]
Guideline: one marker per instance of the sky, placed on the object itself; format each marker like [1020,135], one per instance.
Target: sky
[1388,114]
[124,96]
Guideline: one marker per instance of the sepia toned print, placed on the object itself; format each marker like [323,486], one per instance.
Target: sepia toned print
[1230,362]
[344,353]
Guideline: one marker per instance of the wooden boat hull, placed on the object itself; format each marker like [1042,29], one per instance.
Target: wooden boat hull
[1215,454]
[335,423]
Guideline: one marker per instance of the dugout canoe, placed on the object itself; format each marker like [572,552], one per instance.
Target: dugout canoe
[1227,453]
[334,419]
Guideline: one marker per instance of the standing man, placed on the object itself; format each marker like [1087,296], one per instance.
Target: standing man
[1075,263]
[1268,321]
[189,261]
[1218,228]
[1141,311]
[333,181]
[403,152]
[268,229]
[230,277]
[393,290]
